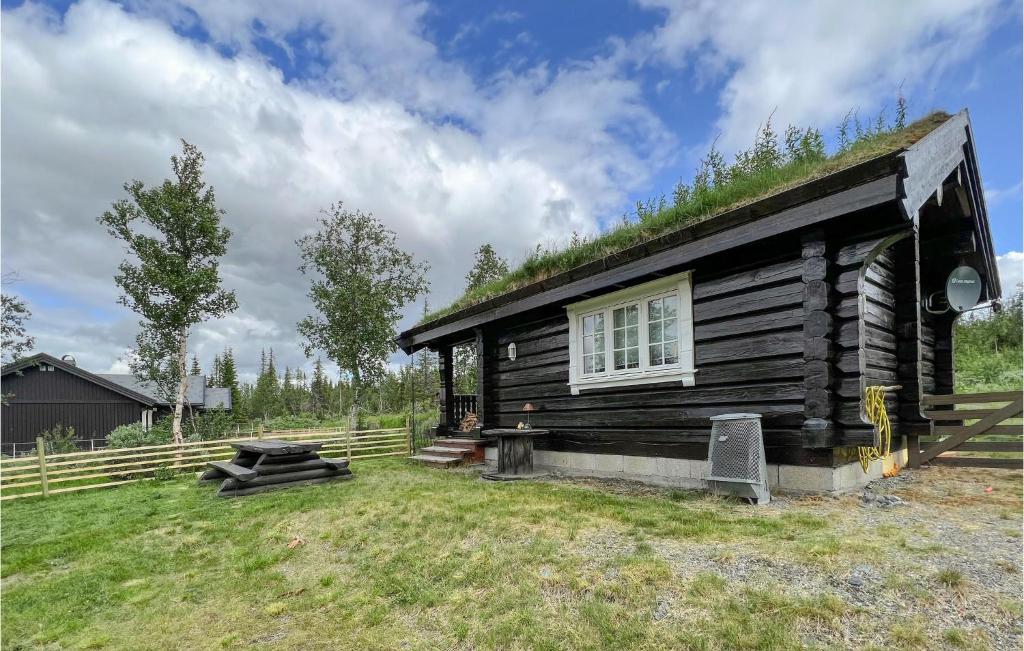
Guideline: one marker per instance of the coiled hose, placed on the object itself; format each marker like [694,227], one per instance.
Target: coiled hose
[874,403]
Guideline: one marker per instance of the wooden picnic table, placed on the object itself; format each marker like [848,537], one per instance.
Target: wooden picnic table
[270,464]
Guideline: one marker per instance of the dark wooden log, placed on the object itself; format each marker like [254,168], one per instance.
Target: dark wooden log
[779,273]
[273,447]
[745,324]
[280,478]
[234,471]
[251,490]
[286,458]
[776,297]
[772,344]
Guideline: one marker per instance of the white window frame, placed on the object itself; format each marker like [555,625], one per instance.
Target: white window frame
[683,371]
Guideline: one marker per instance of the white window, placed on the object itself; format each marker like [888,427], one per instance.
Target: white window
[638,335]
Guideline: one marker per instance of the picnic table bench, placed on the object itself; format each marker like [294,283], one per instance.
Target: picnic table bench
[260,466]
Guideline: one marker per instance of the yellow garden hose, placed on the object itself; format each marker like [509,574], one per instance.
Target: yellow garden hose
[874,403]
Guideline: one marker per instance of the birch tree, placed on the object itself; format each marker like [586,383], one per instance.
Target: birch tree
[360,280]
[175,240]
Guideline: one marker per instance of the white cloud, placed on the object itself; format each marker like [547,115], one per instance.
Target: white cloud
[101,96]
[1011,271]
[811,62]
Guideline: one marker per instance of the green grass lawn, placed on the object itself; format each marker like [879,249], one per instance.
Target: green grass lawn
[406,557]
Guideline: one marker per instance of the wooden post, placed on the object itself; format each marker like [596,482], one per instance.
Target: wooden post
[483,350]
[348,444]
[408,436]
[447,395]
[41,451]
[259,431]
[817,429]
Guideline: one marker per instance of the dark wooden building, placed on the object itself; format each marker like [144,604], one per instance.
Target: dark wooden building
[787,307]
[42,391]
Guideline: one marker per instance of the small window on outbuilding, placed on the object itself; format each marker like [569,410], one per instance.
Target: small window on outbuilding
[639,335]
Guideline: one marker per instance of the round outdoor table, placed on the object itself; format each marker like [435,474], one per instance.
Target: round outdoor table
[515,453]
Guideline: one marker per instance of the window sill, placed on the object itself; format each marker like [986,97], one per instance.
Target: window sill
[673,375]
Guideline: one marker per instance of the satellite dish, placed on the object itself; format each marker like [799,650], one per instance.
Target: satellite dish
[963,288]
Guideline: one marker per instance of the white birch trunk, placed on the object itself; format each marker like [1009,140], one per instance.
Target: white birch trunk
[179,402]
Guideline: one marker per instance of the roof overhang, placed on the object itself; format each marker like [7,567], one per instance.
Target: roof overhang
[43,358]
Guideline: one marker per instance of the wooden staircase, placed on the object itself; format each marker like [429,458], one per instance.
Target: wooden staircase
[448,452]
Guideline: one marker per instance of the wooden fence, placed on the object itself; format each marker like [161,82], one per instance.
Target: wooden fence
[971,423]
[48,474]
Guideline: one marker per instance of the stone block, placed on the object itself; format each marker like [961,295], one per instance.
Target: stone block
[583,460]
[608,462]
[674,468]
[640,466]
[806,478]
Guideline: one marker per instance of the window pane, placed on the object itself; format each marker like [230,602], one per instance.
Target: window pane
[588,325]
[671,327]
[654,309]
[632,315]
[632,357]
[619,339]
[654,333]
[618,318]
[632,337]
[620,359]
[672,353]
[671,306]
[655,354]
[598,323]
[599,363]
[588,345]
[588,364]
[599,342]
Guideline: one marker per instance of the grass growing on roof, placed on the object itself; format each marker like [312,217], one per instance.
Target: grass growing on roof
[766,169]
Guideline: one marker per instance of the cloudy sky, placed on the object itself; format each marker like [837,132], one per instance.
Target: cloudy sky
[455,123]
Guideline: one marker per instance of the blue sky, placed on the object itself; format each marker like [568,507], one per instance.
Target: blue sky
[455,123]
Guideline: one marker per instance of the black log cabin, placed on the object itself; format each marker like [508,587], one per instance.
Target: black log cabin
[787,307]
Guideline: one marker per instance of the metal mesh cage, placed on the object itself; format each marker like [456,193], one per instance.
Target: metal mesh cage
[736,462]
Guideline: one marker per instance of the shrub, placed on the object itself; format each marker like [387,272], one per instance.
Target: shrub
[134,435]
[59,439]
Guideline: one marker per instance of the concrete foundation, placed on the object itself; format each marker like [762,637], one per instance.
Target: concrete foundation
[690,473]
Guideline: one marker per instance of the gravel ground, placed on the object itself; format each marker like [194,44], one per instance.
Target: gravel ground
[954,561]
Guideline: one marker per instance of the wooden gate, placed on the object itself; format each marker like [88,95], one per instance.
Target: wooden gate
[971,423]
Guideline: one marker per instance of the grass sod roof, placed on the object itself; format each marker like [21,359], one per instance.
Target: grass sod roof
[739,191]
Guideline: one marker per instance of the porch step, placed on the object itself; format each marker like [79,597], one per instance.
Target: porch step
[447,451]
[436,461]
[456,442]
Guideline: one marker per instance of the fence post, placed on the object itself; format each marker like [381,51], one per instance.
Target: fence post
[41,451]
[408,436]
[348,444]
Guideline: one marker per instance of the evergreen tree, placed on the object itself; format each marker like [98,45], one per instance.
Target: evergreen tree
[320,390]
[266,396]
[229,379]
[487,266]
[196,369]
